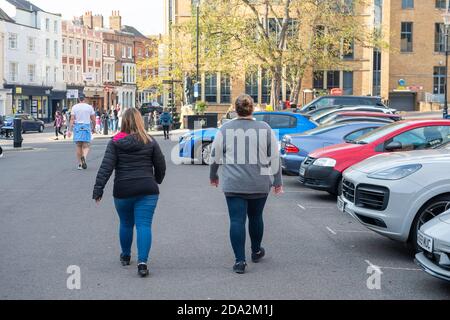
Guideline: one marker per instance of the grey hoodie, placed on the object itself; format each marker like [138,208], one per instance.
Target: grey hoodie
[249,155]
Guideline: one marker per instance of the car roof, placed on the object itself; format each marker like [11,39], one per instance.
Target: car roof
[367,114]
[351,97]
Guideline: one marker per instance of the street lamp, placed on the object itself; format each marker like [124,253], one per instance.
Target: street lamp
[446,18]
[197,80]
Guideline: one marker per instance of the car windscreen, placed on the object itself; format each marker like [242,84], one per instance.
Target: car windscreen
[323,129]
[380,132]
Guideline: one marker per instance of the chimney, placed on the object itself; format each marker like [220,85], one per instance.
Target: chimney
[98,21]
[115,21]
[87,19]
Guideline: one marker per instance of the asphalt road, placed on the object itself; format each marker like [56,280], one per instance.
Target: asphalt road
[48,223]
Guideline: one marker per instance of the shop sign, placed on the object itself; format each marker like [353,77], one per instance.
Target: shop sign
[72,94]
[88,76]
[18,90]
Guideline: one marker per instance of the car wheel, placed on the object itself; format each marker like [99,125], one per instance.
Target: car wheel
[429,211]
[206,153]
[41,129]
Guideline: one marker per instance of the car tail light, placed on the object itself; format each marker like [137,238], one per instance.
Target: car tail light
[290,148]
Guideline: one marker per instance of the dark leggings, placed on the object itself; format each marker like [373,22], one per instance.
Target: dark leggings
[166,131]
[58,130]
[239,209]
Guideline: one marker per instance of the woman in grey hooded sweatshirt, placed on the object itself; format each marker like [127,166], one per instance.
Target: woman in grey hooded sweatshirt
[247,150]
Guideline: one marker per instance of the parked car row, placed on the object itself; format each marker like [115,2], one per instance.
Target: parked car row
[29,124]
[391,175]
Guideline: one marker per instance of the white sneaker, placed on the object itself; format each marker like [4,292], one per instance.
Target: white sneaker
[80,167]
[1,155]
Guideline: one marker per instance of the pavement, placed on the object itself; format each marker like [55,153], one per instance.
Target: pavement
[48,222]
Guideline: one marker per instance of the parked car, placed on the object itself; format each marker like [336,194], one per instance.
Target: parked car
[395,194]
[29,123]
[336,101]
[321,116]
[150,107]
[434,240]
[323,169]
[196,145]
[296,148]
[352,115]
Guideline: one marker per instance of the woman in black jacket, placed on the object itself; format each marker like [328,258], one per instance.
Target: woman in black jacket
[139,166]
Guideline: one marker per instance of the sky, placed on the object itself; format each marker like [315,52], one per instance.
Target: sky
[145,15]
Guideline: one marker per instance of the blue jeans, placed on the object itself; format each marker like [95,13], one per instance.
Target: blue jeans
[239,209]
[137,211]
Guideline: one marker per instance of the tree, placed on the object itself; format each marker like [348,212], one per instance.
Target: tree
[285,37]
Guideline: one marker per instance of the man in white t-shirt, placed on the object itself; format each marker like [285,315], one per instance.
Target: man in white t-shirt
[82,122]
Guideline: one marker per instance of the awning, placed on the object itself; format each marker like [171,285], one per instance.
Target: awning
[94,92]
[19,90]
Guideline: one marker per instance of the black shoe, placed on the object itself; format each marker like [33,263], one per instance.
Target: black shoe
[240,267]
[83,163]
[126,261]
[256,257]
[143,270]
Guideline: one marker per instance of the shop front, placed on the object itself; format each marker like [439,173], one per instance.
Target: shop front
[110,97]
[95,97]
[32,100]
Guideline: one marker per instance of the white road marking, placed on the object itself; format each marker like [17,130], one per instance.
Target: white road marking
[391,268]
[331,231]
[301,207]
[353,231]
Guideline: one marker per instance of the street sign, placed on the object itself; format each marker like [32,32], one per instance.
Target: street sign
[337,92]
[88,76]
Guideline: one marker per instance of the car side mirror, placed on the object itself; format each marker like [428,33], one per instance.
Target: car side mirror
[393,146]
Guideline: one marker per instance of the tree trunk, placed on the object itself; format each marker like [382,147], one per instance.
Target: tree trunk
[296,92]
[276,87]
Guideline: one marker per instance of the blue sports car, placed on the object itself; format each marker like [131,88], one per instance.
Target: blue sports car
[296,148]
[196,145]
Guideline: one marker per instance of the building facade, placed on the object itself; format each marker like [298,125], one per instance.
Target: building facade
[409,71]
[32,59]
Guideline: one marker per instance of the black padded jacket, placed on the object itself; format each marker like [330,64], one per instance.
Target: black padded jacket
[139,168]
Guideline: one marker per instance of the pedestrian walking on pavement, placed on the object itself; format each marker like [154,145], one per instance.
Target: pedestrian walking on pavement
[82,123]
[250,169]
[139,167]
[166,121]
[58,124]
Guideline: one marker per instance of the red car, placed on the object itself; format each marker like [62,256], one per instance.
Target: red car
[323,169]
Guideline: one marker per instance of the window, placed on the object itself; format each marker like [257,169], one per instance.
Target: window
[56,49]
[64,75]
[13,71]
[47,25]
[130,52]
[55,75]
[140,52]
[439,80]
[31,73]
[31,44]
[89,53]
[359,133]
[47,47]
[318,80]
[97,75]
[348,50]
[78,74]
[266,87]
[13,41]
[105,49]
[63,46]
[251,85]
[71,74]
[124,52]
[333,79]
[423,138]
[78,48]
[440,4]
[70,46]
[406,37]
[348,83]
[211,87]
[55,27]
[47,75]
[111,50]
[97,51]
[439,37]
[225,88]
[376,73]
[407,4]
[282,122]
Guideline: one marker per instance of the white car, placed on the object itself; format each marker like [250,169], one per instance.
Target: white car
[434,240]
[394,194]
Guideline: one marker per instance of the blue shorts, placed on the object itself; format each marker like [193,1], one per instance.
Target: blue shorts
[82,133]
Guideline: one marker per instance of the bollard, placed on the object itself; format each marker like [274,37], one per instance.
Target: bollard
[105,127]
[146,124]
[18,133]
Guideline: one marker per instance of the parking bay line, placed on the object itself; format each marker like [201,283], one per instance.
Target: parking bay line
[314,208]
[391,268]
[335,232]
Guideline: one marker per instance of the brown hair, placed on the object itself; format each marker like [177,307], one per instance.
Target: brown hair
[133,123]
[244,105]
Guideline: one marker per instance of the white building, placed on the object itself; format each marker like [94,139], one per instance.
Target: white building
[32,59]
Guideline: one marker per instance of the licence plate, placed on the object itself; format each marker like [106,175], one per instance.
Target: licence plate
[425,242]
[302,171]
[341,205]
